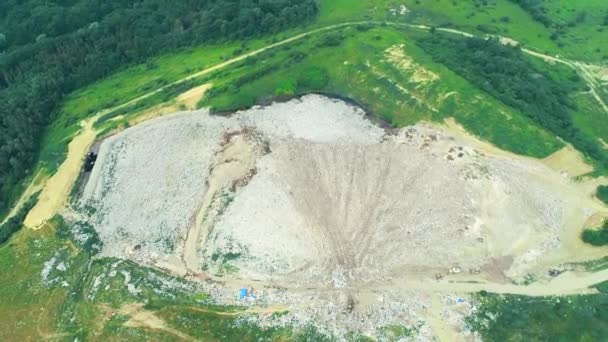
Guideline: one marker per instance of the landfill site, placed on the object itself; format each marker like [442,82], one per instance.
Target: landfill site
[311,207]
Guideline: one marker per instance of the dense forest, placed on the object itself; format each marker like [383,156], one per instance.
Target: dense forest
[49,48]
[505,73]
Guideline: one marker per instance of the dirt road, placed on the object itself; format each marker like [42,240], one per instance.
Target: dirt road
[235,160]
[57,188]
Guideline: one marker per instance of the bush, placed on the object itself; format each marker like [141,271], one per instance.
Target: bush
[331,39]
[313,78]
[286,88]
[596,237]
[602,193]
[15,222]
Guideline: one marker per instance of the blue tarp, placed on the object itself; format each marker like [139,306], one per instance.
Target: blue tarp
[243,293]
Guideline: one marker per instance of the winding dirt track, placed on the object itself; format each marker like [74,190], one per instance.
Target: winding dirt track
[52,202]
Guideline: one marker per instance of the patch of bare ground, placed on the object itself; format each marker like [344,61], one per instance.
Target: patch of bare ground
[568,161]
[141,318]
[397,56]
[190,98]
[184,101]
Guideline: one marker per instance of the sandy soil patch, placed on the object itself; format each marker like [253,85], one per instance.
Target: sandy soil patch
[57,188]
[191,97]
[568,161]
[186,100]
[397,56]
[141,318]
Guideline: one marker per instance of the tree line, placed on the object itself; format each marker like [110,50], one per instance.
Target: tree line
[52,48]
[536,9]
[505,73]
[15,222]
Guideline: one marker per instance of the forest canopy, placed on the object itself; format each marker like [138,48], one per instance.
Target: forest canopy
[51,48]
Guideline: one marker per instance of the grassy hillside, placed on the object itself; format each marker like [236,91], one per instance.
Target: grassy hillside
[576,29]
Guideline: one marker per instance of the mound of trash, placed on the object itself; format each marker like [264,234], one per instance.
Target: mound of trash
[311,192]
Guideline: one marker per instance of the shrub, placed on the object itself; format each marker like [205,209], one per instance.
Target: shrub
[602,193]
[596,237]
[14,223]
[286,88]
[331,39]
[313,78]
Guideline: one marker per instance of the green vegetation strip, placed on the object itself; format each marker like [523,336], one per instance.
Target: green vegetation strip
[15,222]
[520,318]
